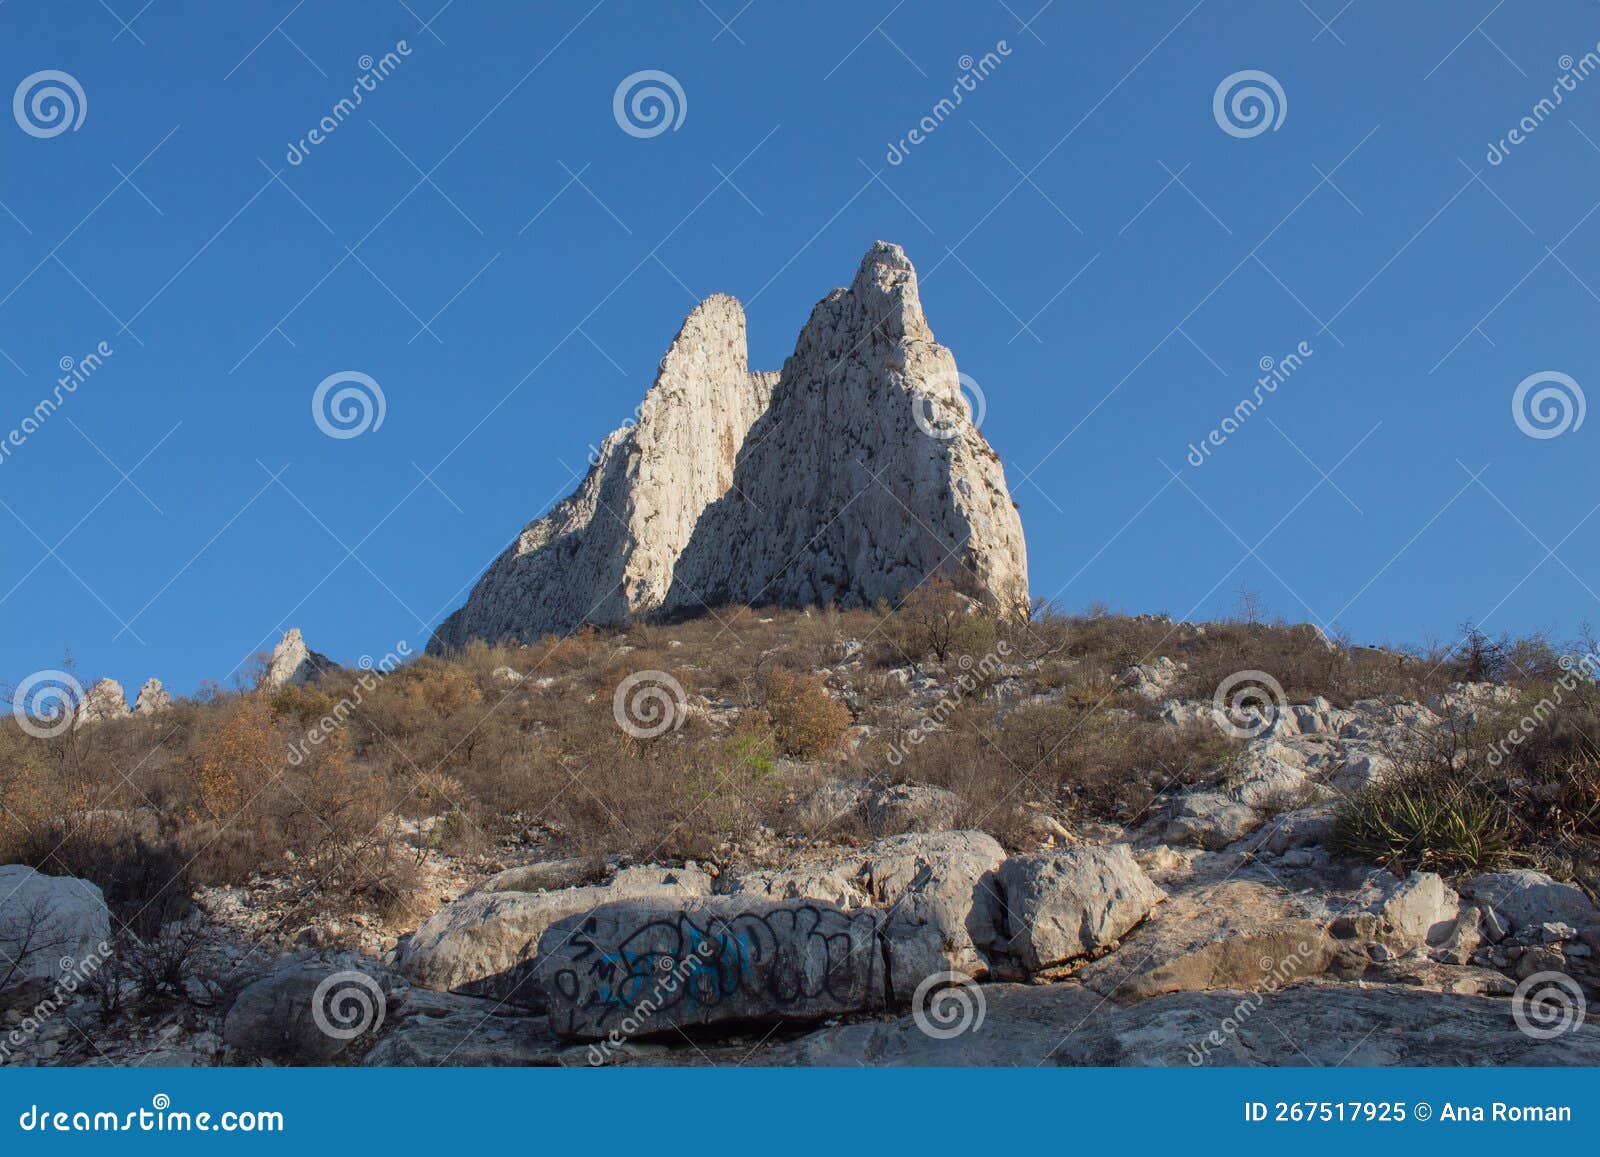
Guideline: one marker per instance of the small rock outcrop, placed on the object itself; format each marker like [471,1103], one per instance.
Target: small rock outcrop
[294,663]
[105,700]
[153,698]
[849,476]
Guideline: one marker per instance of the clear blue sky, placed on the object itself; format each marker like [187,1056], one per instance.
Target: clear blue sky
[513,305]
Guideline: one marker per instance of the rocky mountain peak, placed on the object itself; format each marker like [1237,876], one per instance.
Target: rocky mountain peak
[824,482]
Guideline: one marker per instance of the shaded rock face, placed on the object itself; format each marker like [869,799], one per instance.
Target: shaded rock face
[819,483]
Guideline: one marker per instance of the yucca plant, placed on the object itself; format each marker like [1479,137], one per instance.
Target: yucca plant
[1430,824]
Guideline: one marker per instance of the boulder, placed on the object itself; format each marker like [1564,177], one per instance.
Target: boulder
[307,1014]
[1268,774]
[541,877]
[1362,770]
[484,944]
[1152,681]
[943,902]
[1527,898]
[433,1029]
[836,882]
[1210,819]
[52,928]
[643,966]
[1060,906]
[1417,912]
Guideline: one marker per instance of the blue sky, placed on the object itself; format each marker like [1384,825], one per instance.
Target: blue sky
[484,241]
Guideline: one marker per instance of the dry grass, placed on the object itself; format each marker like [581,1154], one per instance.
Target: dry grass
[329,785]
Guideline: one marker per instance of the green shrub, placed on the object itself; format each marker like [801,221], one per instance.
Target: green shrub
[1430,824]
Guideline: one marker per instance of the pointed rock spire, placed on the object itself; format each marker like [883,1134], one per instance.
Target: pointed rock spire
[851,475]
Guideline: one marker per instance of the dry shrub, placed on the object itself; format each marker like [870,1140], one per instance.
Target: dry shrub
[936,619]
[806,720]
[1084,763]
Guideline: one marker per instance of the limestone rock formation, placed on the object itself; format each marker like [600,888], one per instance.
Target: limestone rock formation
[608,551]
[295,663]
[105,700]
[851,475]
[153,698]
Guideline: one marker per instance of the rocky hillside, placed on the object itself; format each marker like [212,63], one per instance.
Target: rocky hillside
[924,836]
[849,476]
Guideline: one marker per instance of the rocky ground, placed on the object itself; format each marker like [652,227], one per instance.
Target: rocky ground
[1219,927]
